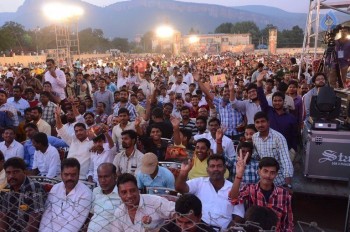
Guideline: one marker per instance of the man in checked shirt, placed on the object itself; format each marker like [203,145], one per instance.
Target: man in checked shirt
[270,143]
[264,193]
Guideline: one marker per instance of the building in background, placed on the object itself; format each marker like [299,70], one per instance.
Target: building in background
[203,43]
[216,43]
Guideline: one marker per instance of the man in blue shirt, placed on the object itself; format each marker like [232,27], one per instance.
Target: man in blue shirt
[31,129]
[152,175]
[281,121]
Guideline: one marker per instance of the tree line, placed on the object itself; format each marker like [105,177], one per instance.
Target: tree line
[14,37]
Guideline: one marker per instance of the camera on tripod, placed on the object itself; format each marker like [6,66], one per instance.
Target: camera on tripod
[329,37]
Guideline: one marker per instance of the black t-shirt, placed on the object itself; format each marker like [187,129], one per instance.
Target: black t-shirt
[167,129]
[266,194]
[149,146]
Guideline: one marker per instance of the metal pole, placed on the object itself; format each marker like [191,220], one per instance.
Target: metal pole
[36,40]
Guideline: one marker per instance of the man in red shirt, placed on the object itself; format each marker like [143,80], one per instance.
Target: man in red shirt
[264,193]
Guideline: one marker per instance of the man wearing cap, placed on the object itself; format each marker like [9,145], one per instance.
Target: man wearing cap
[152,175]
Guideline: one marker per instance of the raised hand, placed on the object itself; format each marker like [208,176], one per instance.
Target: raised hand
[71,99]
[175,122]
[231,84]
[186,166]
[261,76]
[58,111]
[220,133]
[137,121]
[196,77]
[241,163]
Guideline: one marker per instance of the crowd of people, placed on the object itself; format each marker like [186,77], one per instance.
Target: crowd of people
[224,151]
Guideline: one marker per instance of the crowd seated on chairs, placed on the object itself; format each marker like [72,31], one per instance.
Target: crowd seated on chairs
[89,138]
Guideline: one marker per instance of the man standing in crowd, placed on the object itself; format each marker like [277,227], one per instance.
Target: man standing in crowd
[123,103]
[48,108]
[57,79]
[270,143]
[123,125]
[18,102]
[250,106]
[103,95]
[229,117]
[179,87]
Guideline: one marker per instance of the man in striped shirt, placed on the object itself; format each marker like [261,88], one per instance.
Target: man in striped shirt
[186,122]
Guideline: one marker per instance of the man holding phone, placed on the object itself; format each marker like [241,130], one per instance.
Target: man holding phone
[56,77]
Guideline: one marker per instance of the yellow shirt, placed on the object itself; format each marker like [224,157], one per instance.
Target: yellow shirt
[199,169]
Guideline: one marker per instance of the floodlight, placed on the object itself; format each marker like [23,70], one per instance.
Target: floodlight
[193,39]
[59,12]
[164,31]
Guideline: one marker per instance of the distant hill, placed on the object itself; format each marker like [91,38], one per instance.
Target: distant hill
[129,18]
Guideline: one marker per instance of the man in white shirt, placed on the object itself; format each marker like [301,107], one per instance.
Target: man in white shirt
[36,113]
[102,152]
[18,102]
[122,79]
[146,85]
[9,73]
[46,158]
[57,78]
[179,87]
[188,78]
[105,199]
[124,124]
[225,144]
[69,202]
[10,147]
[212,191]
[129,160]
[139,212]
[79,143]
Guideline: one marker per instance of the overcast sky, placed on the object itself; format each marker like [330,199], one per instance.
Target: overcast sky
[287,5]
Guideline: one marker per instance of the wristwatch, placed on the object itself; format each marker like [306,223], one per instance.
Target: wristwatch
[288,186]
